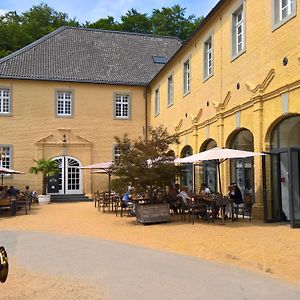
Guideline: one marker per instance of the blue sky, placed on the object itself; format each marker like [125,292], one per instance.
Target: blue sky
[92,10]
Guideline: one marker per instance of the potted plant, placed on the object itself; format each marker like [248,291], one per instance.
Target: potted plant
[48,168]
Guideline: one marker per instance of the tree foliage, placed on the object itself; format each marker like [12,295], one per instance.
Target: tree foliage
[172,21]
[47,167]
[17,31]
[146,161]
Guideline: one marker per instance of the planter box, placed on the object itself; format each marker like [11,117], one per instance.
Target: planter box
[44,199]
[153,213]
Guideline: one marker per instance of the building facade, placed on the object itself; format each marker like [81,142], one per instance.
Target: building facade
[66,96]
[235,83]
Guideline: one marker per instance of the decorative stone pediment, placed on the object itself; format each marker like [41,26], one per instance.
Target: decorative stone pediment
[178,126]
[260,88]
[222,105]
[196,119]
[63,136]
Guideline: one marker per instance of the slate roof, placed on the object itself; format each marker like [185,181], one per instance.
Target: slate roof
[90,55]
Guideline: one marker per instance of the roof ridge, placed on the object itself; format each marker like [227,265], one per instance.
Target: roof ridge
[124,32]
[33,44]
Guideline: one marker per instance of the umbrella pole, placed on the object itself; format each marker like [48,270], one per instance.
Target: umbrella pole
[109,175]
[220,188]
[219,175]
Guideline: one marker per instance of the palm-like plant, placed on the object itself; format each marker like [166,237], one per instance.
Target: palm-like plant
[47,167]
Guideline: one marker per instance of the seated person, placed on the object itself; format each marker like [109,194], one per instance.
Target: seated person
[126,199]
[12,191]
[184,194]
[235,194]
[204,190]
[172,199]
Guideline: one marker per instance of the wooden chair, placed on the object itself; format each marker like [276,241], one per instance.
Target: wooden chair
[104,201]
[97,198]
[6,205]
[245,207]
[123,207]
[21,203]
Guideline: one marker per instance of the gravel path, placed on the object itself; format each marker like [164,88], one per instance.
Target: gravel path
[129,272]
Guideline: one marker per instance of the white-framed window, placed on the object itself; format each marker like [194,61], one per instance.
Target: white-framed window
[122,106]
[5,101]
[238,31]
[283,10]
[156,102]
[208,58]
[64,104]
[116,152]
[170,90]
[186,77]
[5,156]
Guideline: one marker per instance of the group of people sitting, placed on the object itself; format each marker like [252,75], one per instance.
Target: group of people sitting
[177,197]
[12,192]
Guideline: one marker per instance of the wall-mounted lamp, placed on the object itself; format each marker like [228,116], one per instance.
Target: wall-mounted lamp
[64,139]
[64,148]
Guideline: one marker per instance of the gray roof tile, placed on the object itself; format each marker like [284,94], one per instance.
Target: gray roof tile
[89,55]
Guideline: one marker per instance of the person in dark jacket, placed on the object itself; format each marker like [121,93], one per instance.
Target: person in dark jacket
[235,193]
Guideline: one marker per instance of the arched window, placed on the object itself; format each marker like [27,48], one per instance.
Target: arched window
[286,133]
[242,170]
[208,172]
[187,169]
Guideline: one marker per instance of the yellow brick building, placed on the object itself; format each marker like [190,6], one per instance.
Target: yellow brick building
[235,83]
[66,96]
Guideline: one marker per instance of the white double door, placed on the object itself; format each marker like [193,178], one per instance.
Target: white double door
[70,175]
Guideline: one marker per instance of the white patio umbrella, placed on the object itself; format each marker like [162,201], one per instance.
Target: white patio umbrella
[217,155]
[5,171]
[102,167]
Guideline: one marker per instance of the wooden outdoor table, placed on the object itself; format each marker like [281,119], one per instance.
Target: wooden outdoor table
[216,201]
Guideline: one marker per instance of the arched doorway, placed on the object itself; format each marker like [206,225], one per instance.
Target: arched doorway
[186,178]
[242,170]
[285,170]
[209,169]
[70,175]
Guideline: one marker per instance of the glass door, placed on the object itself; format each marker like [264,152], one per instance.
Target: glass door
[294,187]
[276,204]
[70,175]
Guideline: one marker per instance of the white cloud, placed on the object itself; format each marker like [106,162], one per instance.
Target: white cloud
[3,12]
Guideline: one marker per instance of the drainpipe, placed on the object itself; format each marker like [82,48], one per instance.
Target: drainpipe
[146,113]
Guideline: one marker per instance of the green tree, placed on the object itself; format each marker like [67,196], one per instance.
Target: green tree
[17,31]
[134,21]
[108,23]
[146,161]
[172,21]
[11,33]
[47,167]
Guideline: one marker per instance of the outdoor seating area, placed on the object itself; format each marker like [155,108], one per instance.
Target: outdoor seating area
[14,201]
[198,207]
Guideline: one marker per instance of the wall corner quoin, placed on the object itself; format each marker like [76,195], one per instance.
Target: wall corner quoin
[258,211]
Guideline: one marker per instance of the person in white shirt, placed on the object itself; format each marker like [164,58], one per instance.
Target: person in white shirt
[204,190]
[184,194]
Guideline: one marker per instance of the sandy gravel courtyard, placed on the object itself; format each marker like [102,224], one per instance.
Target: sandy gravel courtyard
[273,249]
